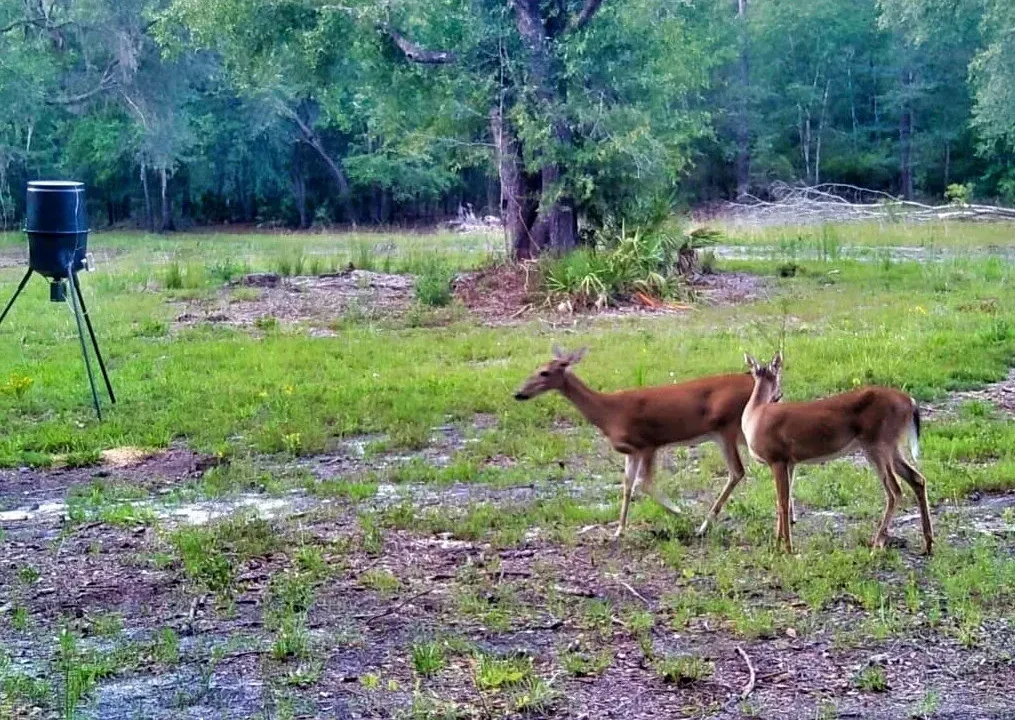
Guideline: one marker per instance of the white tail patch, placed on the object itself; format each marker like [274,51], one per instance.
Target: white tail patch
[914,440]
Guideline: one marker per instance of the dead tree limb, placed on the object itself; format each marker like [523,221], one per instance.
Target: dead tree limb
[417,54]
[589,10]
[837,202]
[749,687]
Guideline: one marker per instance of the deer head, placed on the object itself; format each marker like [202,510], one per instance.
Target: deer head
[551,375]
[767,378]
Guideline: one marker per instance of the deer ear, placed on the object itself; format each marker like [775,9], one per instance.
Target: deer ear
[751,362]
[577,355]
[558,354]
[777,362]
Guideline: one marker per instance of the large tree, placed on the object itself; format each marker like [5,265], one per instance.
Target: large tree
[592,105]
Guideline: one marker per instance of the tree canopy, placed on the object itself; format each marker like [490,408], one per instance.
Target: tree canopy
[560,116]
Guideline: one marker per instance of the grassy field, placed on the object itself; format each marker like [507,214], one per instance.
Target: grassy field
[352,509]
[830,238]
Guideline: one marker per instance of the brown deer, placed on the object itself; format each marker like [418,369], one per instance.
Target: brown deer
[638,423]
[874,420]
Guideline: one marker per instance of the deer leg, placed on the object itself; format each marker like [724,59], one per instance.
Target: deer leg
[792,501]
[645,482]
[892,493]
[918,484]
[630,471]
[782,473]
[731,455]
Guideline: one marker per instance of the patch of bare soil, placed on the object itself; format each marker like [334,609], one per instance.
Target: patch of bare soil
[28,487]
[264,298]
[501,292]
[729,288]
[509,292]
[533,601]
[1000,395]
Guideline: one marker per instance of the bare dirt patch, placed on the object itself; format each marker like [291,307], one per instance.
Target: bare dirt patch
[28,487]
[538,601]
[262,299]
[729,288]
[1000,395]
[510,292]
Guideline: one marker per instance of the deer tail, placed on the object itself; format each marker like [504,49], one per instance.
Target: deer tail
[914,432]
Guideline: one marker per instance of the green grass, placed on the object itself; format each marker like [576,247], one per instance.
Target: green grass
[428,657]
[929,328]
[211,555]
[586,664]
[683,669]
[833,237]
[493,673]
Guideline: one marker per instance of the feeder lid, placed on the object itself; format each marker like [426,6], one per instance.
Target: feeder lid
[55,185]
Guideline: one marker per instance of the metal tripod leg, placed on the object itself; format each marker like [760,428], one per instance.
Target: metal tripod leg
[21,286]
[84,348]
[91,332]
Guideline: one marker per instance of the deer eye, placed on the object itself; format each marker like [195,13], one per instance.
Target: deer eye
[544,373]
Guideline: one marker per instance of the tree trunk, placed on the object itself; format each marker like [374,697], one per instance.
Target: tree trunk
[821,127]
[905,141]
[804,116]
[743,126]
[852,102]
[186,204]
[299,186]
[149,217]
[314,140]
[512,188]
[948,163]
[166,224]
[556,227]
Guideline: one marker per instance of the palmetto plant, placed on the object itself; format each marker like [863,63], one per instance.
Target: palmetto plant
[652,262]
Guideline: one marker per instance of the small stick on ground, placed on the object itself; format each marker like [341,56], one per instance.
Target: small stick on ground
[749,687]
[637,594]
[394,608]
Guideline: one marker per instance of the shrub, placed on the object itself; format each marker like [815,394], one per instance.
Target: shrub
[651,262]
[433,284]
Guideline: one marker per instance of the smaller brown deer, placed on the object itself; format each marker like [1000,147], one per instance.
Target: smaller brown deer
[874,420]
[639,422]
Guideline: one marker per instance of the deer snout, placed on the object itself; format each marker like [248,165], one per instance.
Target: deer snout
[521,396]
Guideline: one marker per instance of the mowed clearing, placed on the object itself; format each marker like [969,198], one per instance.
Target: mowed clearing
[316,496]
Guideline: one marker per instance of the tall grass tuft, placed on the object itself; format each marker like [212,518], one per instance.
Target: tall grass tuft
[433,284]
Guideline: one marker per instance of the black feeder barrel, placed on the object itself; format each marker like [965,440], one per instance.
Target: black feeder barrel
[56,223]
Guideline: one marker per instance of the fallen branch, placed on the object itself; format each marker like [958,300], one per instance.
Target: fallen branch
[838,202]
[368,619]
[749,687]
[635,593]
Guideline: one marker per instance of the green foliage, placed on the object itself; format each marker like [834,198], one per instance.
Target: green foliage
[651,262]
[871,679]
[493,673]
[428,657]
[584,664]
[683,669]
[433,284]
[212,554]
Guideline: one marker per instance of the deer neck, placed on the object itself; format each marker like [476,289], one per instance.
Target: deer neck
[591,404]
[763,394]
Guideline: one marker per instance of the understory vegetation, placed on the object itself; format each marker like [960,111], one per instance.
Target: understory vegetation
[350,513]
